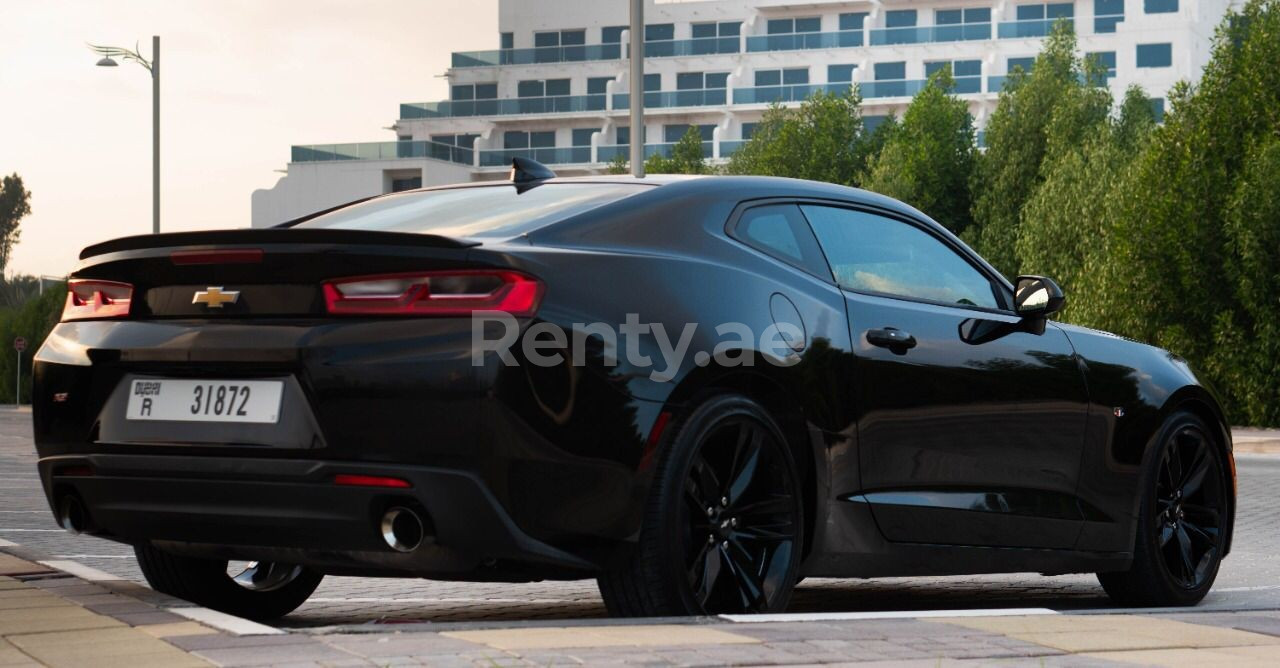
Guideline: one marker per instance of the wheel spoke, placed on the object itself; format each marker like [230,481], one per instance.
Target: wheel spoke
[1184,554]
[746,461]
[705,571]
[1196,472]
[1166,534]
[767,533]
[749,586]
[1208,536]
[708,483]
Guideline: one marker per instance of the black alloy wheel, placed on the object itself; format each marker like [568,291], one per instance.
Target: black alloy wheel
[740,518]
[259,590]
[724,525]
[1185,505]
[1190,506]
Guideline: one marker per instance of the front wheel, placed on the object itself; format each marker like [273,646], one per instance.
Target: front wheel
[1182,520]
[724,525]
[258,590]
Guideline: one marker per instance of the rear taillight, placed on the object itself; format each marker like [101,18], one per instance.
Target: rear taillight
[96,299]
[445,293]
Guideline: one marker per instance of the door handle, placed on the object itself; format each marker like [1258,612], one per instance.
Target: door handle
[891,338]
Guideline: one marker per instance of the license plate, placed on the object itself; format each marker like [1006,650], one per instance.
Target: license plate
[182,400]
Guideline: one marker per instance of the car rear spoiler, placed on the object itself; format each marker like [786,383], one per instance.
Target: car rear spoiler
[274,235]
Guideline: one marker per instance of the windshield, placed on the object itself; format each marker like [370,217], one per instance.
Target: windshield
[487,211]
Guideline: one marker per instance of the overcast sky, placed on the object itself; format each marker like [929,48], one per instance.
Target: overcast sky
[241,81]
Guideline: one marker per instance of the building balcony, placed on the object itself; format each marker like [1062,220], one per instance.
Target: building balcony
[558,104]
[804,40]
[537,55]
[382,150]
[674,98]
[792,93]
[927,34]
[611,152]
[552,155]
[1033,28]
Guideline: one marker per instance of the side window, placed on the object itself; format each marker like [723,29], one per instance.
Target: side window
[870,253]
[780,231]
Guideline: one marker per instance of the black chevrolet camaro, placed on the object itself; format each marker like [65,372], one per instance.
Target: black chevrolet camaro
[696,390]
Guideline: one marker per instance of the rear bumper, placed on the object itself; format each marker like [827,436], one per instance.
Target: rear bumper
[291,510]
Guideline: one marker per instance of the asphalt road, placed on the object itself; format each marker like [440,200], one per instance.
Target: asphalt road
[1249,579]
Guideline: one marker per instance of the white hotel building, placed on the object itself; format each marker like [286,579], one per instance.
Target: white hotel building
[557,89]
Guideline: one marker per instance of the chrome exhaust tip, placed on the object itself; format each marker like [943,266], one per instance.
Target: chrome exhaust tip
[72,516]
[402,529]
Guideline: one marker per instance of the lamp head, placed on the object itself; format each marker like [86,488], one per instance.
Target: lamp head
[106,62]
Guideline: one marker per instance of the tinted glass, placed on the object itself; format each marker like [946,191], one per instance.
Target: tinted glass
[795,76]
[557,87]
[768,77]
[701,30]
[977,15]
[487,211]
[546,39]
[890,71]
[813,24]
[688,80]
[611,34]
[717,79]
[1155,55]
[870,253]
[779,230]
[945,17]
[582,136]
[487,91]
[852,20]
[840,73]
[659,32]
[731,28]
[598,85]
[1160,6]
[900,18]
[573,37]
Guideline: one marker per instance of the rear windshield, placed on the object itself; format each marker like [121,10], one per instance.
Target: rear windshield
[486,211]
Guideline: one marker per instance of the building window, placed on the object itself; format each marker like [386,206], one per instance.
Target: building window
[891,71]
[1107,59]
[674,133]
[516,139]
[900,18]
[788,26]
[611,34]
[748,129]
[598,85]
[962,24]
[966,73]
[1026,64]
[1160,6]
[624,135]
[1155,55]
[1157,108]
[870,123]
[722,29]
[542,88]
[853,21]
[507,39]
[400,185]
[788,77]
[560,38]
[652,82]
[701,80]
[660,32]
[1106,14]
[465,141]
[481,91]
[1049,11]
[582,136]
[840,73]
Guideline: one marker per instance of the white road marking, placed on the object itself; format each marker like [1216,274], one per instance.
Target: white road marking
[901,614]
[37,530]
[1259,588]
[93,556]
[7,543]
[23,511]
[80,570]
[228,623]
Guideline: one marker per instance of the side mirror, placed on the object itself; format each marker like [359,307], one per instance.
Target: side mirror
[1037,297]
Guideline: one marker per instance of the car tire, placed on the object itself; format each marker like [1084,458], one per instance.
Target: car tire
[1184,506]
[723,527]
[278,590]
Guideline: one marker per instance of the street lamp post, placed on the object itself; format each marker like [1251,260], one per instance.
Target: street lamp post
[153,66]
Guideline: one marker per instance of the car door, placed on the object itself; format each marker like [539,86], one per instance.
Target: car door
[971,421]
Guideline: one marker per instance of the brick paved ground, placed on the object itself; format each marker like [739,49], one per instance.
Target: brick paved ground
[1250,578]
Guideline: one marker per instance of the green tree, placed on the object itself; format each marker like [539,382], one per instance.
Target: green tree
[1190,249]
[32,320]
[927,160]
[1054,93]
[1068,214]
[15,203]
[619,165]
[821,140]
[686,157]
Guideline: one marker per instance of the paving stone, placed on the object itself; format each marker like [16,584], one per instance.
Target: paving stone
[399,644]
[176,629]
[103,648]
[600,636]
[1190,657]
[11,656]
[61,618]
[11,565]
[267,655]
[144,618]
[221,641]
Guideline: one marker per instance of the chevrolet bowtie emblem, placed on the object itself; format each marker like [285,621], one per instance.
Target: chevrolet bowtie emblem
[215,297]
